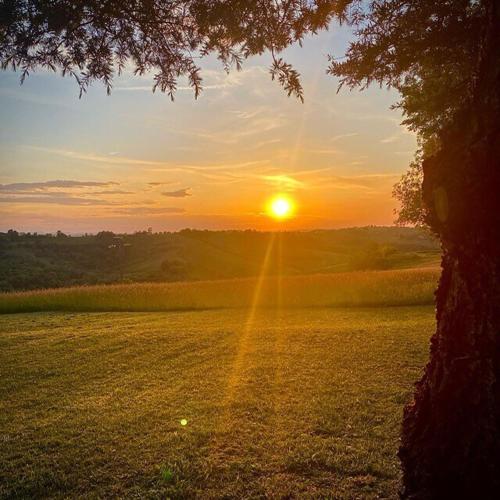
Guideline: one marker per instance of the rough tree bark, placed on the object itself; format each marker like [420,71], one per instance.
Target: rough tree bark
[450,446]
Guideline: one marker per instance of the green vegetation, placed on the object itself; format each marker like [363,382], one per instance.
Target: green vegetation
[39,261]
[362,288]
[303,403]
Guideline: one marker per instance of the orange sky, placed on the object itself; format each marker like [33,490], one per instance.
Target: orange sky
[135,159]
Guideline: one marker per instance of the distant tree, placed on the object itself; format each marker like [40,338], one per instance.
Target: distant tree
[105,237]
[12,235]
[444,59]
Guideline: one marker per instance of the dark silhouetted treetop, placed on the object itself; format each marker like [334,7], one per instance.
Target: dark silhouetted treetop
[95,40]
[425,49]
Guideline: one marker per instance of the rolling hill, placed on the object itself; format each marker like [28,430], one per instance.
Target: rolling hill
[30,261]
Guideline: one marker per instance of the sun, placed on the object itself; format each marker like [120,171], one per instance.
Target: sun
[280,207]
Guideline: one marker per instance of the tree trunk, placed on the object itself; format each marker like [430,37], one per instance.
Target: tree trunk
[450,444]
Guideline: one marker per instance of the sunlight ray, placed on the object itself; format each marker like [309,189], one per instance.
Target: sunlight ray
[244,339]
[242,351]
[279,294]
[312,92]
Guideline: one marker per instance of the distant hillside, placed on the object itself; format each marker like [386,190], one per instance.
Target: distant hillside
[29,261]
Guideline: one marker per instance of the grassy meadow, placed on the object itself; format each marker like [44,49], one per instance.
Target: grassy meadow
[353,289]
[230,403]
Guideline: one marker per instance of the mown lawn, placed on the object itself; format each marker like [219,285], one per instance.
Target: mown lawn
[297,402]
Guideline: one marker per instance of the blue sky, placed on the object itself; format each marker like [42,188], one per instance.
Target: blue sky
[136,159]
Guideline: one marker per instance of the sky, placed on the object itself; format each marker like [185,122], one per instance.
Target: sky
[135,159]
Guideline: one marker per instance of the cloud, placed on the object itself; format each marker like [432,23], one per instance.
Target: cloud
[271,175]
[242,129]
[363,182]
[329,151]
[248,114]
[24,96]
[158,183]
[153,165]
[134,88]
[110,160]
[373,116]
[180,193]
[55,200]
[148,211]
[391,138]
[282,181]
[338,137]
[34,192]
[212,80]
[253,123]
[259,125]
[41,186]
[209,169]
[264,143]
[310,171]
[113,191]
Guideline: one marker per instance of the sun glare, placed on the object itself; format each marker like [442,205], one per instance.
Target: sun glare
[280,207]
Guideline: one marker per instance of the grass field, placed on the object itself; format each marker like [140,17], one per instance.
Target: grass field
[298,402]
[354,289]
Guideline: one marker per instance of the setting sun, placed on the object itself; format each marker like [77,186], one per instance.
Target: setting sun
[280,207]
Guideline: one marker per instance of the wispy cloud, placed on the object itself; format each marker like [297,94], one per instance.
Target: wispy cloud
[111,160]
[362,116]
[113,191]
[209,169]
[212,80]
[55,200]
[152,165]
[148,211]
[259,125]
[44,185]
[267,142]
[282,181]
[242,130]
[23,95]
[249,114]
[392,138]
[327,151]
[338,137]
[364,182]
[180,193]
[310,171]
[34,192]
